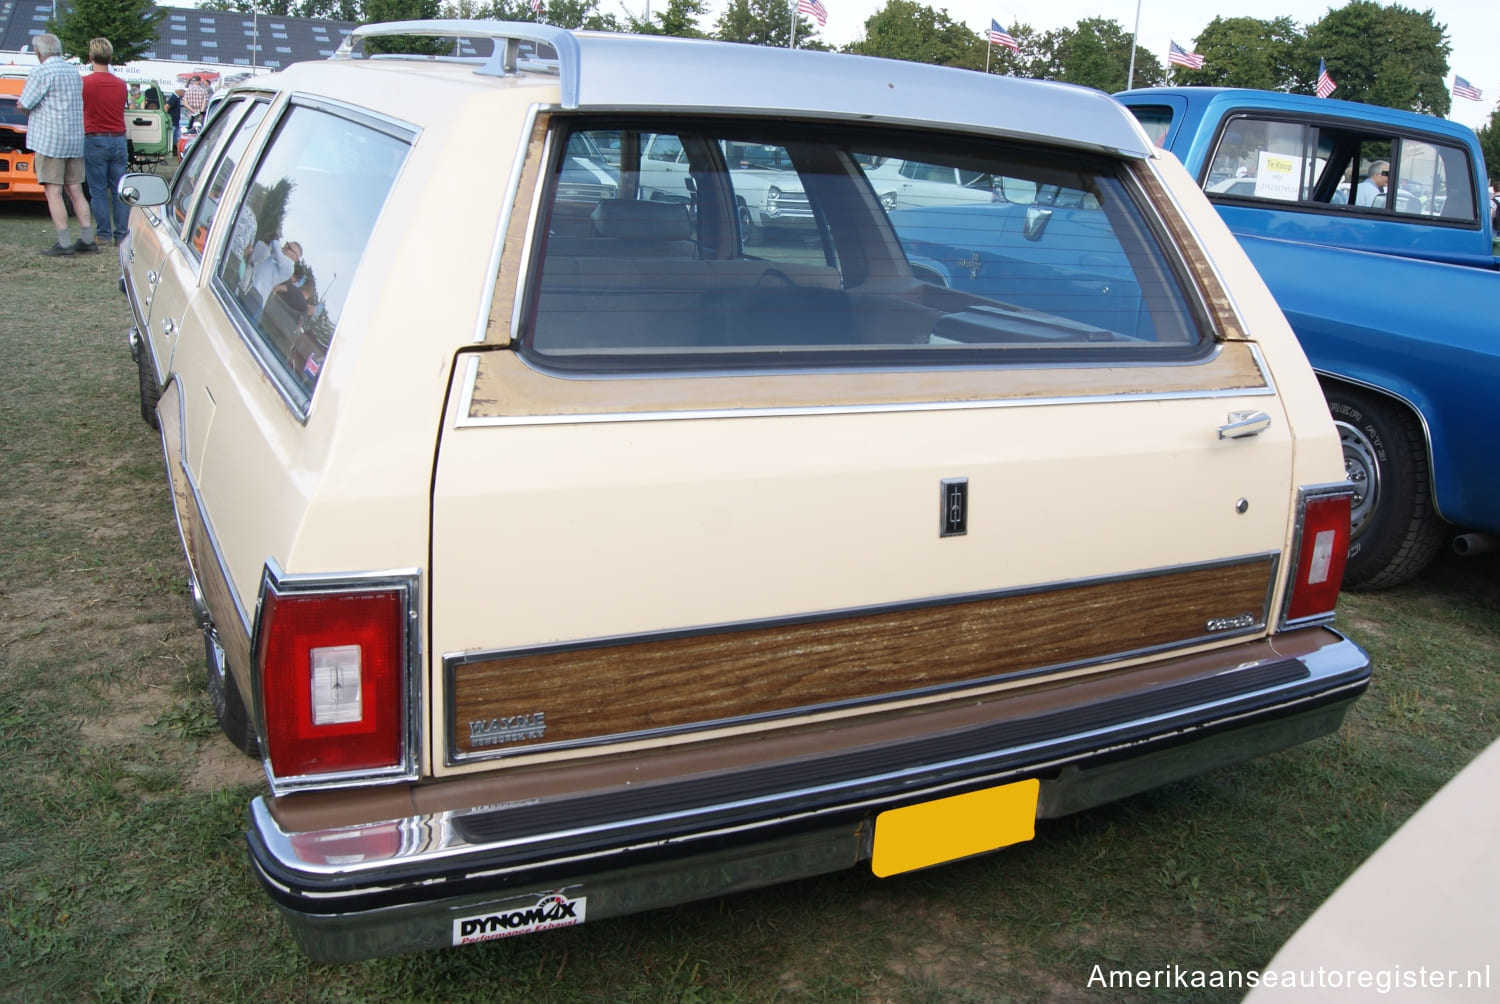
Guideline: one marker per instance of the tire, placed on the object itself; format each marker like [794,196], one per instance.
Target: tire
[750,233]
[224,694]
[1395,531]
[150,389]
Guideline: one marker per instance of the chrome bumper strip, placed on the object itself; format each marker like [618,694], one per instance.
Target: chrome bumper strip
[397,884]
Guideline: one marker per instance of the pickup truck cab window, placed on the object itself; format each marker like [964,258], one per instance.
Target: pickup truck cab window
[1315,164]
[709,264]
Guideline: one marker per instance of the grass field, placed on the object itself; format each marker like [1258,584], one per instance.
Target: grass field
[122,810]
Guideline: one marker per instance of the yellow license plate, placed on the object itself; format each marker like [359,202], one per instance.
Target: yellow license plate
[919,836]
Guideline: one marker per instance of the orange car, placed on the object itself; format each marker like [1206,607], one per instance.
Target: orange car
[17,168]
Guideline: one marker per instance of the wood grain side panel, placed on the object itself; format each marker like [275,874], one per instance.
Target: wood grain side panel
[502,303]
[508,388]
[656,683]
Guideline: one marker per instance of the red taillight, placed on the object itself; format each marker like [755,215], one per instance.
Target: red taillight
[1323,547]
[332,668]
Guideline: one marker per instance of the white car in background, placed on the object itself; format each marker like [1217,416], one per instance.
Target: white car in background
[906,184]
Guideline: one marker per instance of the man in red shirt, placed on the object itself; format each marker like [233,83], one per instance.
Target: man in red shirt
[106,156]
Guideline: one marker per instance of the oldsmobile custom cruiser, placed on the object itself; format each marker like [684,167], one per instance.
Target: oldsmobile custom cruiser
[561,556]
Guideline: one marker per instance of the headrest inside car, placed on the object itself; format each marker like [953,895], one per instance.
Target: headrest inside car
[634,220]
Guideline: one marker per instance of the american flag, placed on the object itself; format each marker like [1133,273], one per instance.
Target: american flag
[1326,86]
[815,8]
[1178,56]
[1463,89]
[536,6]
[999,36]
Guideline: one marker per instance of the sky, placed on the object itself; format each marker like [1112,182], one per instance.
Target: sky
[1473,27]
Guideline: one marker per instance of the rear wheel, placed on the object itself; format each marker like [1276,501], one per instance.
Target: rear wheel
[229,707]
[150,389]
[1394,530]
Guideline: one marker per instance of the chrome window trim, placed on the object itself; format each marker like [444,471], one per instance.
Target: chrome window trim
[466,421]
[452,662]
[1305,493]
[507,210]
[407,582]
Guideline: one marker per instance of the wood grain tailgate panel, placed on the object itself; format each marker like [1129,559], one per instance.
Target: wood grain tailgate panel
[678,682]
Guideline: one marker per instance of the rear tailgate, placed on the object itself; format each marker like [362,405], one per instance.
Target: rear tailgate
[646,578]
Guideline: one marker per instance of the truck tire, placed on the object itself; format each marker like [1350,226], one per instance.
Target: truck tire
[1395,530]
[229,707]
[150,389]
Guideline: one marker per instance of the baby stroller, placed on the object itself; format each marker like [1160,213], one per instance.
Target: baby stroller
[148,130]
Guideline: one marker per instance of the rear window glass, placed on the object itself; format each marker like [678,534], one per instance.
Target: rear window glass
[717,245]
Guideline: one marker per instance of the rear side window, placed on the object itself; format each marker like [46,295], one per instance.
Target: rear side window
[721,245]
[301,226]
[208,206]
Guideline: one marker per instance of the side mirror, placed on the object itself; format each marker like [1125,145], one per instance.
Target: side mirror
[143,190]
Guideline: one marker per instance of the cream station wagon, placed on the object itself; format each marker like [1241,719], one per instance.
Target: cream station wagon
[561,556]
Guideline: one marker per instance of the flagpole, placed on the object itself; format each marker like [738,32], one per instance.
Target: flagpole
[1130,77]
[793,44]
[988,48]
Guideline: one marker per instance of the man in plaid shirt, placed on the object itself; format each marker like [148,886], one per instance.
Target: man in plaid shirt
[195,100]
[53,102]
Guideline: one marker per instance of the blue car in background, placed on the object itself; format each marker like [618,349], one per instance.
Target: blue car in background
[1394,296]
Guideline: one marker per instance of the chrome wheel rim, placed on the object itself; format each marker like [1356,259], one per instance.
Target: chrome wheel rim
[1362,468]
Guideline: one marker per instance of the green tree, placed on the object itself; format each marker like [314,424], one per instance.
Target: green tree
[680,18]
[1034,60]
[576,14]
[1096,53]
[1391,56]
[905,29]
[130,26]
[380,11]
[764,22]
[1489,142]
[1247,52]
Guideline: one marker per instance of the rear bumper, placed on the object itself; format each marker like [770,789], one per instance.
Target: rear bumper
[407,884]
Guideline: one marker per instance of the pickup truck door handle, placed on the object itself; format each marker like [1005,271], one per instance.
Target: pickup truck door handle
[1245,423]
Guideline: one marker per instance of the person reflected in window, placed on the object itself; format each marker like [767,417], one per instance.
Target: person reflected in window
[1371,191]
[270,265]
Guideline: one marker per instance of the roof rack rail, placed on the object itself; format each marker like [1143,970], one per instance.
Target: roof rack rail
[508,37]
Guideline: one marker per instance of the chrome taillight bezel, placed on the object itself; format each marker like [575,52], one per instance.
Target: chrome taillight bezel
[407,584]
[1305,495]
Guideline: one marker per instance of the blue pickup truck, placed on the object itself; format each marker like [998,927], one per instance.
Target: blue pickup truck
[1372,229]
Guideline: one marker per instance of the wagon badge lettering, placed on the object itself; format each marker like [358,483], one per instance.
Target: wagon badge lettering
[551,911]
[1231,623]
[494,731]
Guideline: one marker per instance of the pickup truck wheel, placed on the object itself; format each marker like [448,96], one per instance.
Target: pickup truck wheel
[1394,529]
[150,389]
[229,707]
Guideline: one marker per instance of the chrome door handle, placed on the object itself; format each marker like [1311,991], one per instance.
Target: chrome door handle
[153,278]
[1245,423]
